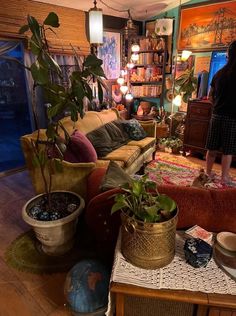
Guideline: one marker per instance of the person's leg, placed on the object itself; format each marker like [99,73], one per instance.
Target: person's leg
[210,159]
[225,166]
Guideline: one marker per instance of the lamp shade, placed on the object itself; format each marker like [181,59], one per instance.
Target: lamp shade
[124,89]
[121,81]
[185,55]
[129,97]
[177,100]
[95,26]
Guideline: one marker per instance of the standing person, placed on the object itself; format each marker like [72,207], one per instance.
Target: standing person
[222,131]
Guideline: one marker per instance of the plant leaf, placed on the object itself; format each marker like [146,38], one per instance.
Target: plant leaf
[52,20]
[24,29]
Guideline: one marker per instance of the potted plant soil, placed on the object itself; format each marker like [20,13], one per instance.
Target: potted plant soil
[54,215]
[148,224]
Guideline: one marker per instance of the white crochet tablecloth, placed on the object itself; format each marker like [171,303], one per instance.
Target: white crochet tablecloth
[178,275]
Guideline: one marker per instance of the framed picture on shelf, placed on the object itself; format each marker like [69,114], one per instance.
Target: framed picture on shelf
[207,26]
[150,27]
[110,53]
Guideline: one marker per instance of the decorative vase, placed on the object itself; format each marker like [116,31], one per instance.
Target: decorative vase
[148,245]
[56,236]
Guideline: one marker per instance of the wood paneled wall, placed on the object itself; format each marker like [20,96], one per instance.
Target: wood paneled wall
[72,30]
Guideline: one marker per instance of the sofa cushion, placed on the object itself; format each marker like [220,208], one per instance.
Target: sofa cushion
[119,137]
[144,144]
[134,129]
[114,177]
[79,149]
[119,124]
[125,153]
[82,148]
[101,141]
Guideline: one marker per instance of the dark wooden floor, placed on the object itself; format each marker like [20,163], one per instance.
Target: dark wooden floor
[23,293]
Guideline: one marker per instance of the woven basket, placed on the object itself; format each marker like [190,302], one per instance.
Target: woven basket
[162,130]
[148,245]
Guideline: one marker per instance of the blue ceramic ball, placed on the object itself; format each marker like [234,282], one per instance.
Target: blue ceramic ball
[87,286]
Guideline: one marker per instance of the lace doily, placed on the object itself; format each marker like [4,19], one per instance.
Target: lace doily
[178,275]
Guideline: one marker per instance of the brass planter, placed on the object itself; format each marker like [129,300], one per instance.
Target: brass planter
[148,245]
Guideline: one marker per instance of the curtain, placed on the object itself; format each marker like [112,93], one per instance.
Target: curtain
[67,63]
[6,47]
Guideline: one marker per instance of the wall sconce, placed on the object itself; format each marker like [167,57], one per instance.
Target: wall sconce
[185,55]
[95,25]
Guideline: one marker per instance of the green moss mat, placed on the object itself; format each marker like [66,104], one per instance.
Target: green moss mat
[24,254]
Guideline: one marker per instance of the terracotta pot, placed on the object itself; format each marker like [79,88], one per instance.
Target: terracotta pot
[56,236]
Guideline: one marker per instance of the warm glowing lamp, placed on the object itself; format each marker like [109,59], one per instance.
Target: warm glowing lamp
[185,55]
[130,65]
[124,89]
[123,72]
[135,48]
[95,25]
[134,57]
[129,97]
[177,101]
[120,81]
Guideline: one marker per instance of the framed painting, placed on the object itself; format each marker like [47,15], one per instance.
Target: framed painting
[150,27]
[208,26]
[110,53]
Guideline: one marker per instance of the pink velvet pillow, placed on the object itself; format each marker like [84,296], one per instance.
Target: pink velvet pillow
[82,148]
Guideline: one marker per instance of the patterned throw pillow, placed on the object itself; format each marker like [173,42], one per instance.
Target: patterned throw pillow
[134,129]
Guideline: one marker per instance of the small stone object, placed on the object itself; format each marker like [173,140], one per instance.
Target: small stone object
[44,216]
[34,212]
[71,208]
[54,216]
[197,252]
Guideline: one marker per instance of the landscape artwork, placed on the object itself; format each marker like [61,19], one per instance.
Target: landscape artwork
[109,52]
[207,27]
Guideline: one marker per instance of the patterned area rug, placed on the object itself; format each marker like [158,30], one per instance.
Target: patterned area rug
[165,171]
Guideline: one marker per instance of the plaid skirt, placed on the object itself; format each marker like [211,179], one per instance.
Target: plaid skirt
[222,134]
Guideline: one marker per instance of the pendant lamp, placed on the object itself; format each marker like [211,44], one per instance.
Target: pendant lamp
[95,25]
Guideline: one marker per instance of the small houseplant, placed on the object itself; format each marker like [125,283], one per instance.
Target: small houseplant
[54,226]
[174,143]
[148,223]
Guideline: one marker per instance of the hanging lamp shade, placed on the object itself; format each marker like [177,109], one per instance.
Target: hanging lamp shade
[95,25]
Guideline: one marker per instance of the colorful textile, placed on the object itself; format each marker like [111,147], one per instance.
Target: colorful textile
[171,172]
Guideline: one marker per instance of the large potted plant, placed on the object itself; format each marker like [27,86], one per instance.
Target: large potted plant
[54,215]
[148,224]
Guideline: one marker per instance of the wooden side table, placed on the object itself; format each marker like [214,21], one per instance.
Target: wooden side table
[172,289]
[206,304]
